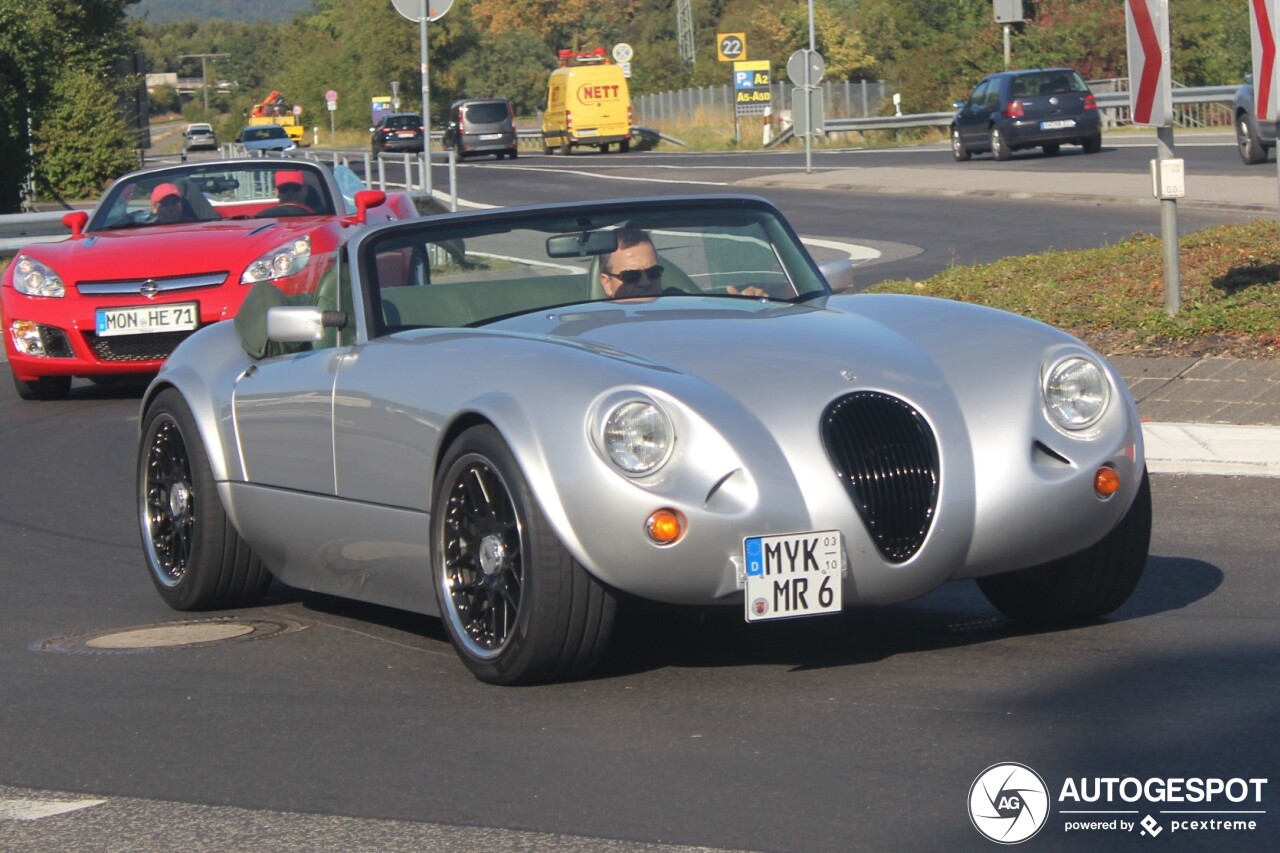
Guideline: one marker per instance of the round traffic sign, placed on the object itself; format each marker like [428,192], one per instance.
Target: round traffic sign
[622,52]
[331,96]
[732,46]
[435,8]
[297,109]
[796,67]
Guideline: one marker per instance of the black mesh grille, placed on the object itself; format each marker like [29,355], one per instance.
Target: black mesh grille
[886,456]
[154,347]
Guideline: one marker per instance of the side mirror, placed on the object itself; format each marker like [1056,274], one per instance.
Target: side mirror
[295,324]
[839,274]
[76,220]
[366,200]
[955,105]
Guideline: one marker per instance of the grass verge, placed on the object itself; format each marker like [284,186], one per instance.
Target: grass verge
[1113,298]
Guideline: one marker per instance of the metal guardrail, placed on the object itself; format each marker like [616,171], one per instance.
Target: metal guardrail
[1105,100]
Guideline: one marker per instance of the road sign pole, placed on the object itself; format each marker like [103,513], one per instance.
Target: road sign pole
[426,99]
[808,98]
[1169,231]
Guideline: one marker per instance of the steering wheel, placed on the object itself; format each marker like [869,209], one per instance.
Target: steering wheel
[287,209]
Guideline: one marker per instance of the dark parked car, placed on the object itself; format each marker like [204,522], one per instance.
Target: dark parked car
[1040,107]
[1255,138]
[484,126]
[397,132]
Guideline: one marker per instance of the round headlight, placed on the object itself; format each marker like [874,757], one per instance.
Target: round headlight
[1076,393]
[638,437]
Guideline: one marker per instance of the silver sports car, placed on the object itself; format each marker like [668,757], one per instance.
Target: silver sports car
[513,419]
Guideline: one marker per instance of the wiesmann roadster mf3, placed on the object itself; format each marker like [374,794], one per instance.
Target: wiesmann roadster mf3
[515,419]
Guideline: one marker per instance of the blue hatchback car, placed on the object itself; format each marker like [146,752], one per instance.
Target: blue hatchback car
[265,138]
[1031,108]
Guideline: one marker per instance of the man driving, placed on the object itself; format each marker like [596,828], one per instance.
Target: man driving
[632,270]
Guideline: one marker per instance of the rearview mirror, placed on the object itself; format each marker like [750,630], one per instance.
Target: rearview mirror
[582,245]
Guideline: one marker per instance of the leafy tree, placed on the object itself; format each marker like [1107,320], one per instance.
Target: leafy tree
[84,142]
[43,43]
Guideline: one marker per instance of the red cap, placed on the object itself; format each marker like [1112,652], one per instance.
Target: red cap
[289,176]
[163,191]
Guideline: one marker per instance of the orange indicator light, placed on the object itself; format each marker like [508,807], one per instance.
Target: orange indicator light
[1106,482]
[664,526]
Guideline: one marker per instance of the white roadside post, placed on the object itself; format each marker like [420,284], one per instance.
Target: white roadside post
[1151,104]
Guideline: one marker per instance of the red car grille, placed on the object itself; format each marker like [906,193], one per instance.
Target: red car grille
[155,347]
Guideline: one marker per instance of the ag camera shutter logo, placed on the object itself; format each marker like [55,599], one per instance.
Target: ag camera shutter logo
[1008,803]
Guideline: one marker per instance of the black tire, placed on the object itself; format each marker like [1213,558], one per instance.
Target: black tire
[513,154]
[1092,144]
[565,147]
[194,555]
[957,147]
[604,148]
[1051,149]
[45,388]
[1085,585]
[1251,150]
[458,153]
[517,607]
[999,148]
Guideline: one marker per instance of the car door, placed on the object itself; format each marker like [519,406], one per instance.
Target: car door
[971,120]
[283,407]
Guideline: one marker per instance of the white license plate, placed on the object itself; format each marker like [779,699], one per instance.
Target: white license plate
[405,134]
[797,574]
[590,131]
[491,136]
[1058,124]
[148,319]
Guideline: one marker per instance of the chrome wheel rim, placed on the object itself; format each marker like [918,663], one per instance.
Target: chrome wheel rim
[168,503]
[955,141]
[1242,131]
[481,561]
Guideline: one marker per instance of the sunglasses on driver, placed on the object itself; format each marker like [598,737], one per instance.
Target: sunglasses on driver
[653,273]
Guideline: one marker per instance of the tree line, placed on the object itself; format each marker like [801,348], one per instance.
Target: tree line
[58,58]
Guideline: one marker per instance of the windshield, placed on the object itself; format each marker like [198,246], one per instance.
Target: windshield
[474,271]
[210,193]
[255,134]
[487,113]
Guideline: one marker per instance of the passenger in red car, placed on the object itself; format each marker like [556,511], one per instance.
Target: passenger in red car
[292,191]
[168,207]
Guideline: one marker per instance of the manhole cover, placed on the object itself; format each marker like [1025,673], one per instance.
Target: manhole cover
[171,635]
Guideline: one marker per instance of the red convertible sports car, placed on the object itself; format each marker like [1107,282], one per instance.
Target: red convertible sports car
[168,250]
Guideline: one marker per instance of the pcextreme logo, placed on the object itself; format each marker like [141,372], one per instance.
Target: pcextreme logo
[1009,803]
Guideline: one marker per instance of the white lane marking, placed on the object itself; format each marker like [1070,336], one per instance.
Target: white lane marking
[856,252]
[36,809]
[643,180]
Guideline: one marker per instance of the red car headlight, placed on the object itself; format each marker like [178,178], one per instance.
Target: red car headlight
[36,279]
[289,259]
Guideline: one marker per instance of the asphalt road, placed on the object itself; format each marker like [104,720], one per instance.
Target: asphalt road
[317,724]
